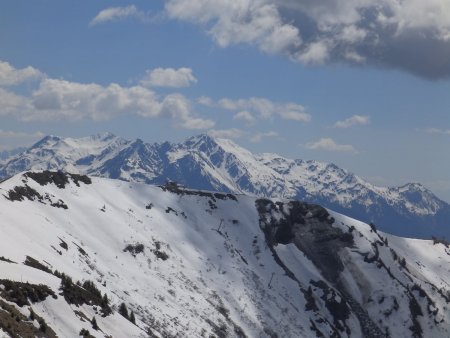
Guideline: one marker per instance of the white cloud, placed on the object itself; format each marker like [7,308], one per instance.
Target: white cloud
[232,133]
[295,112]
[117,14]
[12,104]
[56,99]
[353,56]
[353,121]
[315,53]
[438,131]
[239,21]
[329,144]
[177,107]
[59,99]
[169,77]
[411,35]
[11,76]
[260,136]
[266,108]
[205,101]
[244,116]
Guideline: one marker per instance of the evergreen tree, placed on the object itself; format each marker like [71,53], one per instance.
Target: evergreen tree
[132,318]
[123,310]
[105,301]
[84,333]
[94,323]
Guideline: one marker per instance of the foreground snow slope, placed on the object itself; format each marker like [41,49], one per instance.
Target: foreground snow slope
[199,264]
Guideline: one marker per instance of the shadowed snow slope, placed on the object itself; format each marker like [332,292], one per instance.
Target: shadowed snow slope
[203,162]
[199,264]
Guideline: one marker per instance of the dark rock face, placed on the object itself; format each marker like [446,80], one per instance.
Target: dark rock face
[59,178]
[20,193]
[309,227]
[180,190]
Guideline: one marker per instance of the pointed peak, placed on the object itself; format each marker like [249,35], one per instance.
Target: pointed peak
[206,142]
[49,139]
[103,136]
[137,142]
[204,137]
[200,141]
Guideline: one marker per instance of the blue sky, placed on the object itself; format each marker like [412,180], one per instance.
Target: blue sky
[359,83]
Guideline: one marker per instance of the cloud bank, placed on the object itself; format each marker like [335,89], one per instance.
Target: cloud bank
[410,35]
[247,109]
[10,76]
[61,100]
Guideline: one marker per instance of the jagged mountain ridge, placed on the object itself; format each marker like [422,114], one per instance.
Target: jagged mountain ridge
[197,263]
[202,162]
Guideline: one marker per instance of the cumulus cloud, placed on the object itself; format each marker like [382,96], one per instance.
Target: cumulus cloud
[265,108]
[411,35]
[329,144]
[117,14]
[13,104]
[11,76]
[239,21]
[232,133]
[353,121]
[244,116]
[205,101]
[169,77]
[56,99]
[293,111]
[60,99]
[260,136]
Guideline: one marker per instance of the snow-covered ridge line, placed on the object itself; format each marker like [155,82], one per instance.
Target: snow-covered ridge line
[203,162]
[199,263]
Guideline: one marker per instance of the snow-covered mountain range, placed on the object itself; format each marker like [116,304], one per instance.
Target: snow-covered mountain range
[203,162]
[192,263]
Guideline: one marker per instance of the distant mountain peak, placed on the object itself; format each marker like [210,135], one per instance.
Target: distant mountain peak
[210,163]
[414,186]
[47,140]
[203,141]
[103,136]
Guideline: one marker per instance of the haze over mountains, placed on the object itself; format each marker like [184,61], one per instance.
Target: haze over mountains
[203,162]
[200,264]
